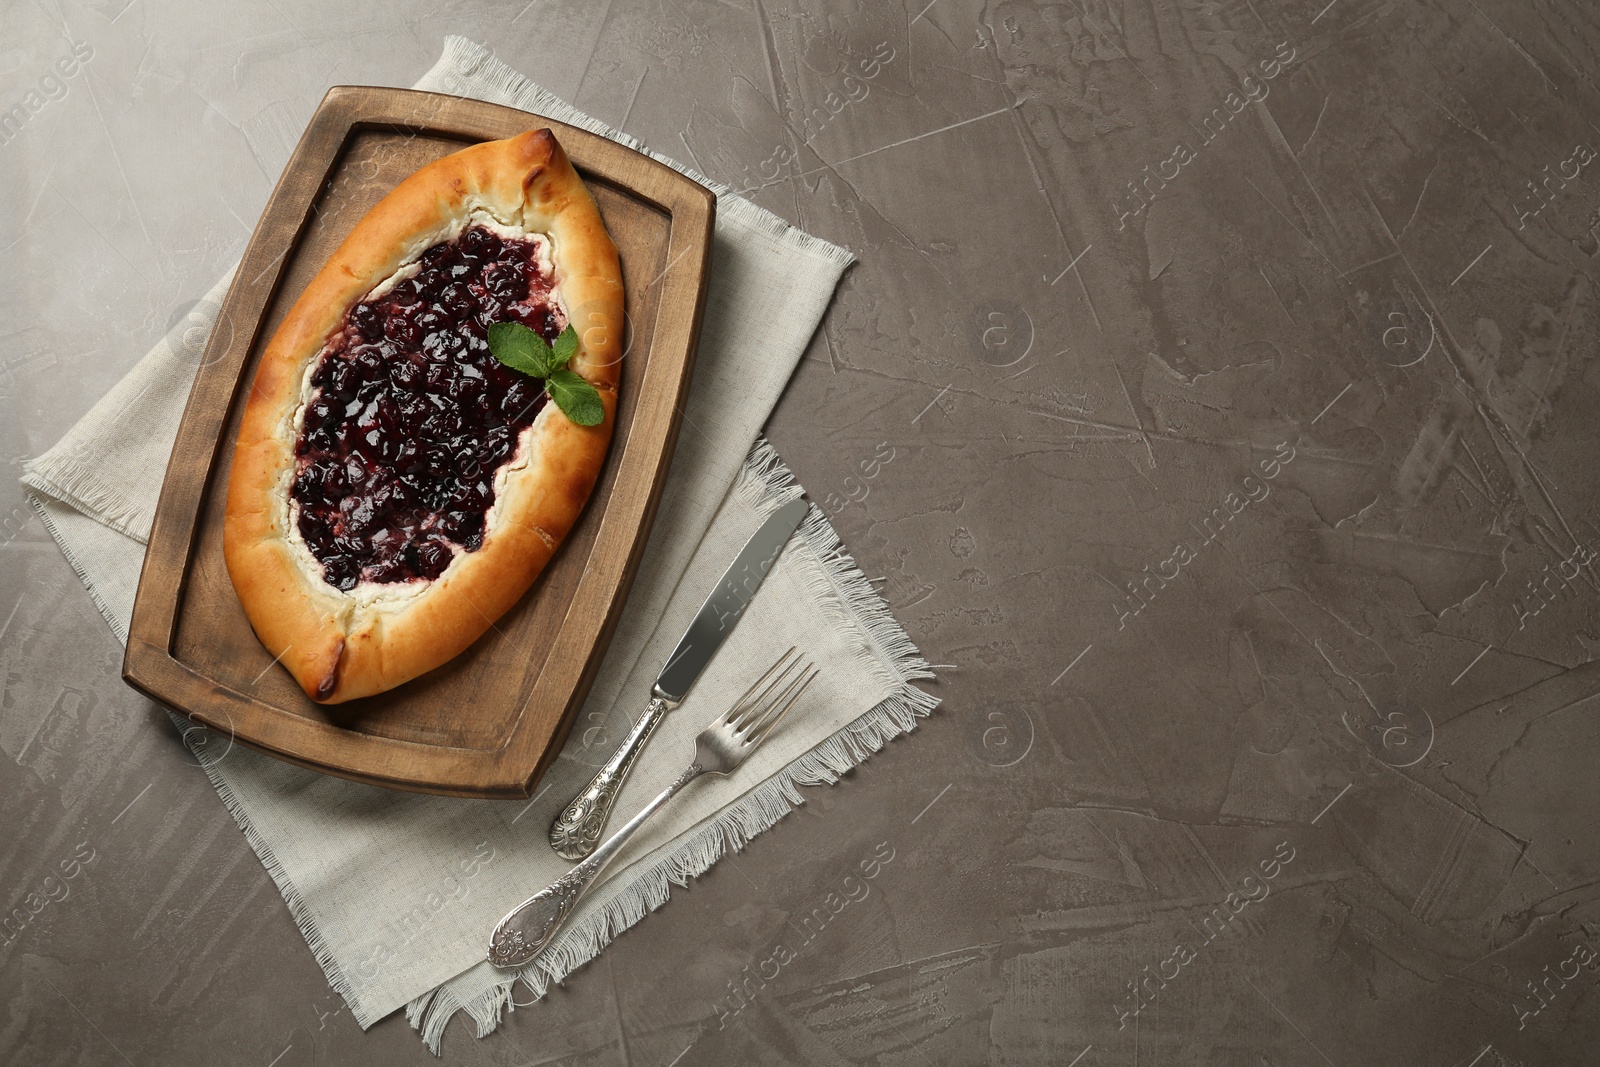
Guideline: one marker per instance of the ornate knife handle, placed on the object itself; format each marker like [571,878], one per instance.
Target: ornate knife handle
[576,831]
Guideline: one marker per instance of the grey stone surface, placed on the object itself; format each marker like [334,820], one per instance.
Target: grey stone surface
[1355,694]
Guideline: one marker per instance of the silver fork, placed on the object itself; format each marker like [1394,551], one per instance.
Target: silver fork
[719,749]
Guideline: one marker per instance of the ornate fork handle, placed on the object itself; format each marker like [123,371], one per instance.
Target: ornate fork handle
[576,831]
[524,933]
[721,748]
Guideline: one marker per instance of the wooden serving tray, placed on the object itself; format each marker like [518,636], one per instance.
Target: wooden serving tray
[487,723]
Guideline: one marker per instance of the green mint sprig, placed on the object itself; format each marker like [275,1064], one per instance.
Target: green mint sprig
[525,351]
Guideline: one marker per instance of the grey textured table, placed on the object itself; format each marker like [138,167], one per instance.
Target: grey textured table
[1215,396]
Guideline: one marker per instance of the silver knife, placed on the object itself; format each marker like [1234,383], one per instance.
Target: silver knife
[576,831]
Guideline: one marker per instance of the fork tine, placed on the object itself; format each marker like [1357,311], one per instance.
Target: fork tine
[773,692]
[769,721]
[777,696]
[742,705]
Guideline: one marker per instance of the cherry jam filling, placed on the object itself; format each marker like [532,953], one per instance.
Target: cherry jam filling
[411,415]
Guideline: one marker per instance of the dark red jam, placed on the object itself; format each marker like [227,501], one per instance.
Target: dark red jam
[411,415]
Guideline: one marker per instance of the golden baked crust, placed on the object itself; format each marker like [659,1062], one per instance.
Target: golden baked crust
[340,646]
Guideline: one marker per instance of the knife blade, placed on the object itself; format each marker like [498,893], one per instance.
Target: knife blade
[576,830]
[725,606]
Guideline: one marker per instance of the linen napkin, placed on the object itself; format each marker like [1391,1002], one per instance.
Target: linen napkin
[396,893]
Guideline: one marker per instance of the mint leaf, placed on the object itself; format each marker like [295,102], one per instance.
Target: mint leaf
[566,347]
[575,397]
[520,349]
[523,350]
